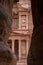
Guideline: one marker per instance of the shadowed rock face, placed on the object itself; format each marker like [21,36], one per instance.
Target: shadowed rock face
[5,20]
[6,55]
[35,54]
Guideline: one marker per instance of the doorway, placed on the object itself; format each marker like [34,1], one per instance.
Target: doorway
[16,48]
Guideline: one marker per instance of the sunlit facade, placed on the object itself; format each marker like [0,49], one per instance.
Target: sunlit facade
[22,26]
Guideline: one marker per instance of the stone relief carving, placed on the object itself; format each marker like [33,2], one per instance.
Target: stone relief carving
[15,9]
[24,5]
[23,23]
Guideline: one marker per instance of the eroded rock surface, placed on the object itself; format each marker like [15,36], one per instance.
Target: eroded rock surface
[6,55]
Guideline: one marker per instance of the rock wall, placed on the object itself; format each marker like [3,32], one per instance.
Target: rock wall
[35,54]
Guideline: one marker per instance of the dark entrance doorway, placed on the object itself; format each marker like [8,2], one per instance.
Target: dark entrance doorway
[16,48]
[10,43]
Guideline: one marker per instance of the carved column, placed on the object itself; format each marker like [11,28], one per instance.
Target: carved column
[27,45]
[19,50]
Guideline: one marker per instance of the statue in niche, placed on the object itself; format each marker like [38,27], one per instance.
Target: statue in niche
[23,18]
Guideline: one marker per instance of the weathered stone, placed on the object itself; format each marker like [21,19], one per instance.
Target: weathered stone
[6,55]
[35,54]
